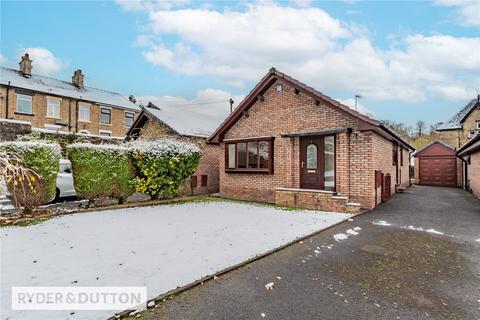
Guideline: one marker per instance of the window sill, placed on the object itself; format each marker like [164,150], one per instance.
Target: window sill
[105,124]
[252,171]
[52,117]
[24,114]
[85,121]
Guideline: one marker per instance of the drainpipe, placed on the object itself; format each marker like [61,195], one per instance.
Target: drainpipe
[465,174]
[6,100]
[409,170]
[76,116]
[69,115]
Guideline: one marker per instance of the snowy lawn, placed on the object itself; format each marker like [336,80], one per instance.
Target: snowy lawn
[160,247]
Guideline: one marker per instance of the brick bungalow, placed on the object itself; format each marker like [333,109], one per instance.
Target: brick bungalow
[470,154]
[290,144]
[154,122]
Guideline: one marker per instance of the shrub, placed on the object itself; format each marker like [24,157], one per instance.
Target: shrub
[43,159]
[163,165]
[101,171]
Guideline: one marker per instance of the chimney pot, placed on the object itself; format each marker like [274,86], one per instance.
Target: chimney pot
[77,79]
[26,65]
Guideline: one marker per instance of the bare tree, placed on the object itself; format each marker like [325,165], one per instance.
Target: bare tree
[420,128]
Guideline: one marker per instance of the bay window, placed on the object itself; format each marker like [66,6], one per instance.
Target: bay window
[249,155]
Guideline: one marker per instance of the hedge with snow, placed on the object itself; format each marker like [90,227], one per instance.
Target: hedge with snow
[163,165]
[41,157]
[101,171]
[158,168]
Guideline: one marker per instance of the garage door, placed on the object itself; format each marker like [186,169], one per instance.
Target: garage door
[439,171]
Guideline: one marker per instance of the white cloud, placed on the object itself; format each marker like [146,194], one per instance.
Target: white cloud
[468,11]
[3,59]
[208,108]
[43,60]
[309,44]
[148,5]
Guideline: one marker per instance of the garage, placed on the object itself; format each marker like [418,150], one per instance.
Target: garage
[436,165]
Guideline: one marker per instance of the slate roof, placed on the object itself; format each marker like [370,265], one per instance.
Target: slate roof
[456,121]
[63,88]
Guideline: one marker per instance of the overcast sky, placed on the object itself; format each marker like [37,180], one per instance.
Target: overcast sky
[409,60]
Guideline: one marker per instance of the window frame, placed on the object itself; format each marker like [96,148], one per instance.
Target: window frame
[56,100]
[235,142]
[109,113]
[82,106]
[401,156]
[125,118]
[477,125]
[18,97]
[394,154]
[105,133]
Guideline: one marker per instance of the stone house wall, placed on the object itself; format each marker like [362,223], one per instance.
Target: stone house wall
[68,114]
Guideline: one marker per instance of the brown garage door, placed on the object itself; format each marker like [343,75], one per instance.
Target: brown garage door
[438,171]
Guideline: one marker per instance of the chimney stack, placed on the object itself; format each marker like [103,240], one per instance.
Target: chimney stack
[77,79]
[26,66]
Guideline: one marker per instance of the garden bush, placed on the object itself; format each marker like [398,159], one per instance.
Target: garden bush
[42,158]
[101,171]
[163,165]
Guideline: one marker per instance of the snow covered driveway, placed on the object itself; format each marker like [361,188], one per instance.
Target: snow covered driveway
[160,247]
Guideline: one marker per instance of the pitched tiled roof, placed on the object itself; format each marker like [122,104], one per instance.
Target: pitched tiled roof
[63,88]
[269,79]
[431,144]
[456,121]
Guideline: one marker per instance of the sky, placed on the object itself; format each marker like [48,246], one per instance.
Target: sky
[409,60]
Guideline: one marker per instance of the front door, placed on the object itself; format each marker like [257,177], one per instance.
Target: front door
[312,163]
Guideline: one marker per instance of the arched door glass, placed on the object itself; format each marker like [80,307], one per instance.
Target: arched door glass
[312,156]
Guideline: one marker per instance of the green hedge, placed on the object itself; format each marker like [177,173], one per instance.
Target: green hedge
[101,171]
[41,157]
[163,165]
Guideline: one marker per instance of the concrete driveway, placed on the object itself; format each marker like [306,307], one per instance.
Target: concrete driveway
[415,257]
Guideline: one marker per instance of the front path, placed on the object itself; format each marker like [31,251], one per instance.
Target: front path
[415,257]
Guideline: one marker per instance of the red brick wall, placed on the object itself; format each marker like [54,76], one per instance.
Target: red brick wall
[383,161]
[286,112]
[473,171]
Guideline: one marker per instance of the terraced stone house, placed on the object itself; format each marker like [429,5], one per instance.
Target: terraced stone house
[56,105]
[462,126]
[290,144]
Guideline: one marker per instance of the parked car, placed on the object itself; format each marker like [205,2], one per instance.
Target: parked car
[65,180]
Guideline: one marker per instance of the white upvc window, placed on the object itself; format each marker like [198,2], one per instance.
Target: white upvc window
[24,103]
[83,112]
[53,107]
[478,124]
[129,118]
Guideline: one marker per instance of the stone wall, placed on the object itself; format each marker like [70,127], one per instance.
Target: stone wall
[11,129]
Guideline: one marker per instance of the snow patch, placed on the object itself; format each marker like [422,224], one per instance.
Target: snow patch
[340,236]
[381,223]
[357,228]
[478,240]
[434,231]
[352,232]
